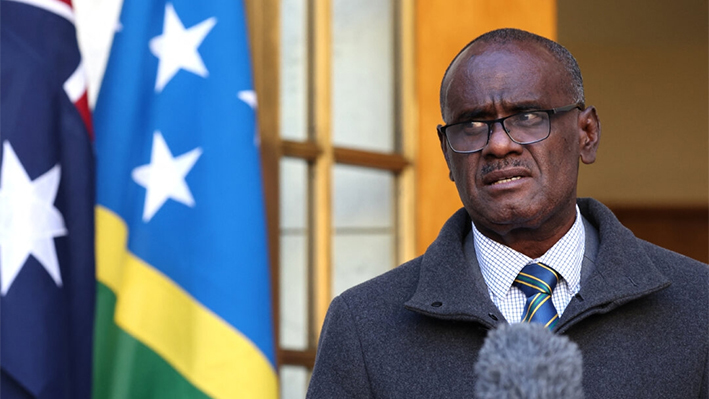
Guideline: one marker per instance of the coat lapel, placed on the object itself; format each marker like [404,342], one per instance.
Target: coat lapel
[619,272]
[450,283]
[616,270]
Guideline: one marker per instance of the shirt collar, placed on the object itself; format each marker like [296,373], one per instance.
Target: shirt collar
[501,264]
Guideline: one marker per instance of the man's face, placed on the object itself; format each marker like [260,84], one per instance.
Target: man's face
[508,187]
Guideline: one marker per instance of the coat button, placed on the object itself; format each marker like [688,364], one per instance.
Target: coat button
[437,304]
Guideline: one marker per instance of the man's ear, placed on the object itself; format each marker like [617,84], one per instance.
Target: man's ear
[589,134]
[444,149]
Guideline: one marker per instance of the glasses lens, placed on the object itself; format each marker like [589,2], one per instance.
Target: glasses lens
[467,136]
[523,128]
[528,127]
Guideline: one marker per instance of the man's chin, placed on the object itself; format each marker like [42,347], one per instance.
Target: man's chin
[506,219]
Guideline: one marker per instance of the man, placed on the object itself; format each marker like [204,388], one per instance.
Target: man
[516,128]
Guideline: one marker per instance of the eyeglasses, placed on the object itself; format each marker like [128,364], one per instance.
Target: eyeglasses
[523,128]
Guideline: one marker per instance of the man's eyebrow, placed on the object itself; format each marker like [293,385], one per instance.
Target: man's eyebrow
[482,114]
[473,114]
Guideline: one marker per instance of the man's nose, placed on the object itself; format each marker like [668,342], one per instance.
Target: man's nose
[499,144]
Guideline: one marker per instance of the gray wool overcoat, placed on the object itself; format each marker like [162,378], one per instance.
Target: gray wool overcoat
[640,319]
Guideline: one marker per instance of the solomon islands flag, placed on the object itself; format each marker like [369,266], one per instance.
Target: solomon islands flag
[47,283]
[184,306]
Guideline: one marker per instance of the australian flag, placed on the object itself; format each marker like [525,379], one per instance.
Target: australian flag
[47,280]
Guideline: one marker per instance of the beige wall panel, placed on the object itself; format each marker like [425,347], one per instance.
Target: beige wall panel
[443,27]
[645,67]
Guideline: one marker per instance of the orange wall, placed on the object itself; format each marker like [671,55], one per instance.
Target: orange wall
[443,27]
[646,69]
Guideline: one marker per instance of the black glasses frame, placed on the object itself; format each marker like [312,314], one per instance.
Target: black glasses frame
[442,128]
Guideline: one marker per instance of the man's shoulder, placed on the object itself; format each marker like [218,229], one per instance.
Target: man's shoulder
[398,285]
[622,239]
[675,265]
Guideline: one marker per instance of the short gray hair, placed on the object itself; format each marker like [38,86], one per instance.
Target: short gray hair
[511,35]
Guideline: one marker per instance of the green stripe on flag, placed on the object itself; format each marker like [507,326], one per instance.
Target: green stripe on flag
[125,368]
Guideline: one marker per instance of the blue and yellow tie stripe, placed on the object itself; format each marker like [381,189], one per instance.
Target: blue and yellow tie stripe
[537,281]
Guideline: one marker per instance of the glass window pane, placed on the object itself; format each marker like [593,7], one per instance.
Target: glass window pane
[293,70]
[294,382]
[363,74]
[363,218]
[293,193]
[363,197]
[293,274]
[360,256]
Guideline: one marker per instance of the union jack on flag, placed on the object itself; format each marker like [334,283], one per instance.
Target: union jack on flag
[47,286]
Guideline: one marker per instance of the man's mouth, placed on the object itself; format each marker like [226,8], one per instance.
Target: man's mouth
[507,180]
[506,175]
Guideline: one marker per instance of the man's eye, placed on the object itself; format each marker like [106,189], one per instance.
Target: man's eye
[473,128]
[527,119]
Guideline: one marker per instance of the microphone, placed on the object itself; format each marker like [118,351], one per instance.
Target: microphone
[527,361]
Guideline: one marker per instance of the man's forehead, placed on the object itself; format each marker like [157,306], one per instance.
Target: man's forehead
[488,70]
[489,56]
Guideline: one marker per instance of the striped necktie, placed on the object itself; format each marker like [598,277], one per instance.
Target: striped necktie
[537,281]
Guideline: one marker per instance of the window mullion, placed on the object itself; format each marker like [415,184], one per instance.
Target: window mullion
[406,131]
[321,169]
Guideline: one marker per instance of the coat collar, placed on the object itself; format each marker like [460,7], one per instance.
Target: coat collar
[622,270]
[451,286]
[448,287]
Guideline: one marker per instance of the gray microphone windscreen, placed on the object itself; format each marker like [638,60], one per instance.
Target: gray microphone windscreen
[527,361]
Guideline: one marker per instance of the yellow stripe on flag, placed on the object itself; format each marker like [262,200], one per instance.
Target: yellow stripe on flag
[206,350]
